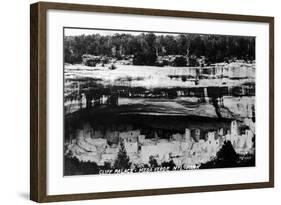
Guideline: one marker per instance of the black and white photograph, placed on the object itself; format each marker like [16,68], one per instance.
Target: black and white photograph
[148,101]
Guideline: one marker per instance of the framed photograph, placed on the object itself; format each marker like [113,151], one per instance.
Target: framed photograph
[135,102]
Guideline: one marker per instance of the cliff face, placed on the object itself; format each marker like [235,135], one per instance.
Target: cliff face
[242,107]
[166,114]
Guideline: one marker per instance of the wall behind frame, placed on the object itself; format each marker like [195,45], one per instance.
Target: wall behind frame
[14,103]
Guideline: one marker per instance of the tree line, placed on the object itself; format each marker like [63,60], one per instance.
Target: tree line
[146,47]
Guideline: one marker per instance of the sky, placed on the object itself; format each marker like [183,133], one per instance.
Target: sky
[78,31]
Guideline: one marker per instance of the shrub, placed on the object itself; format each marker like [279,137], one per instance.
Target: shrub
[152,162]
[144,58]
[180,61]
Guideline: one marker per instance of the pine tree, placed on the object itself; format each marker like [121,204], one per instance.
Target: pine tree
[122,161]
[226,156]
